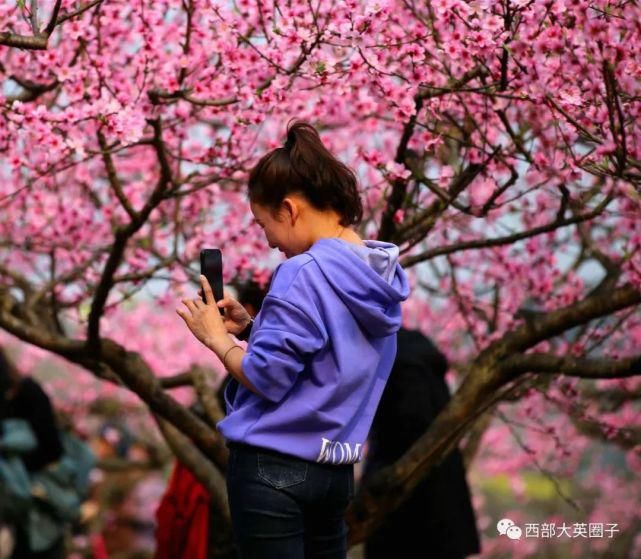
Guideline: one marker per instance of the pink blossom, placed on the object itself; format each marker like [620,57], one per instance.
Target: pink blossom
[481,190]
[397,170]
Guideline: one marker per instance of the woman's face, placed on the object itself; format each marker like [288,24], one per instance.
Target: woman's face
[277,227]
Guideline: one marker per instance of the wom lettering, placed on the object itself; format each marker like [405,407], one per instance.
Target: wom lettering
[336,452]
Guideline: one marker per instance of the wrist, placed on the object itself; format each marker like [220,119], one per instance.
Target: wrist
[243,335]
[219,344]
[224,357]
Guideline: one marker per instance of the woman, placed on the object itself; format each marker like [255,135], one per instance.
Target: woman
[319,354]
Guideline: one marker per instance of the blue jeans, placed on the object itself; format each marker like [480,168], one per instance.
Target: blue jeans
[283,507]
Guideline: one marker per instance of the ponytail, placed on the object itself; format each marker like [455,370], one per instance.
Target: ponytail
[305,166]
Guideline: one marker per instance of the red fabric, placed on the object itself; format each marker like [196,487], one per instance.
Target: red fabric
[98,547]
[183,518]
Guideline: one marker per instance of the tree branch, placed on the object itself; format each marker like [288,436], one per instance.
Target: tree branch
[548,325]
[508,239]
[112,175]
[32,90]
[399,186]
[177,381]
[593,368]
[35,26]
[70,15]
[40,39]
[129,367]
[206,395]
[124,234]
[53,21]
[418,227]
[27,42]
[486,384]
[157,96]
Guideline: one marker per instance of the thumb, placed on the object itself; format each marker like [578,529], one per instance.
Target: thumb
[223,302]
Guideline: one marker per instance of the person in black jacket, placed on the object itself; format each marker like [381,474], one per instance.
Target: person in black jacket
[23,398]
[437,521]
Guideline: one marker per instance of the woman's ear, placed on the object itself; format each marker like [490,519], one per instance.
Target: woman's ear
[290,209]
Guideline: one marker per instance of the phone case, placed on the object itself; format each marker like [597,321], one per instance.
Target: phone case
[211,266]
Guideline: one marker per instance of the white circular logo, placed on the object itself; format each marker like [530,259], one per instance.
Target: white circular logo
[503,524]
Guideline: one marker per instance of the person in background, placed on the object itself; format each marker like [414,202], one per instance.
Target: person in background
[129,481]
[23,398]
[183,519]
[437,521]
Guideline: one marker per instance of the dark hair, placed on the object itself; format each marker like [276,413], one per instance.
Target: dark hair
[6,379]
[251,293]
[305,166]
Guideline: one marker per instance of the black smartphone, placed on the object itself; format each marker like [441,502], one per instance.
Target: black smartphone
[211,266]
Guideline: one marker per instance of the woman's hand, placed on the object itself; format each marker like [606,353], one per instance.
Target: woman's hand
[204,319]
[236,317]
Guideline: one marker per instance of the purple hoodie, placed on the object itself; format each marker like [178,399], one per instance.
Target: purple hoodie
[320,352]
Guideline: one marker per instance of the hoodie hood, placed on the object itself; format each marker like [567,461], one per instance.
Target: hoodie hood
[320,352]
[367,278]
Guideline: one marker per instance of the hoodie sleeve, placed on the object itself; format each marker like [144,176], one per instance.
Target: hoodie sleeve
[280,347]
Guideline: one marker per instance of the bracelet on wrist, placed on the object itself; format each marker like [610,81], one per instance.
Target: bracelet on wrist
[227,353]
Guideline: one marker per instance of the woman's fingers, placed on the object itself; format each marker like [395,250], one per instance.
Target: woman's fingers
[182,314]
[189,303]
[229,298]
[209,294]
[228,301]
